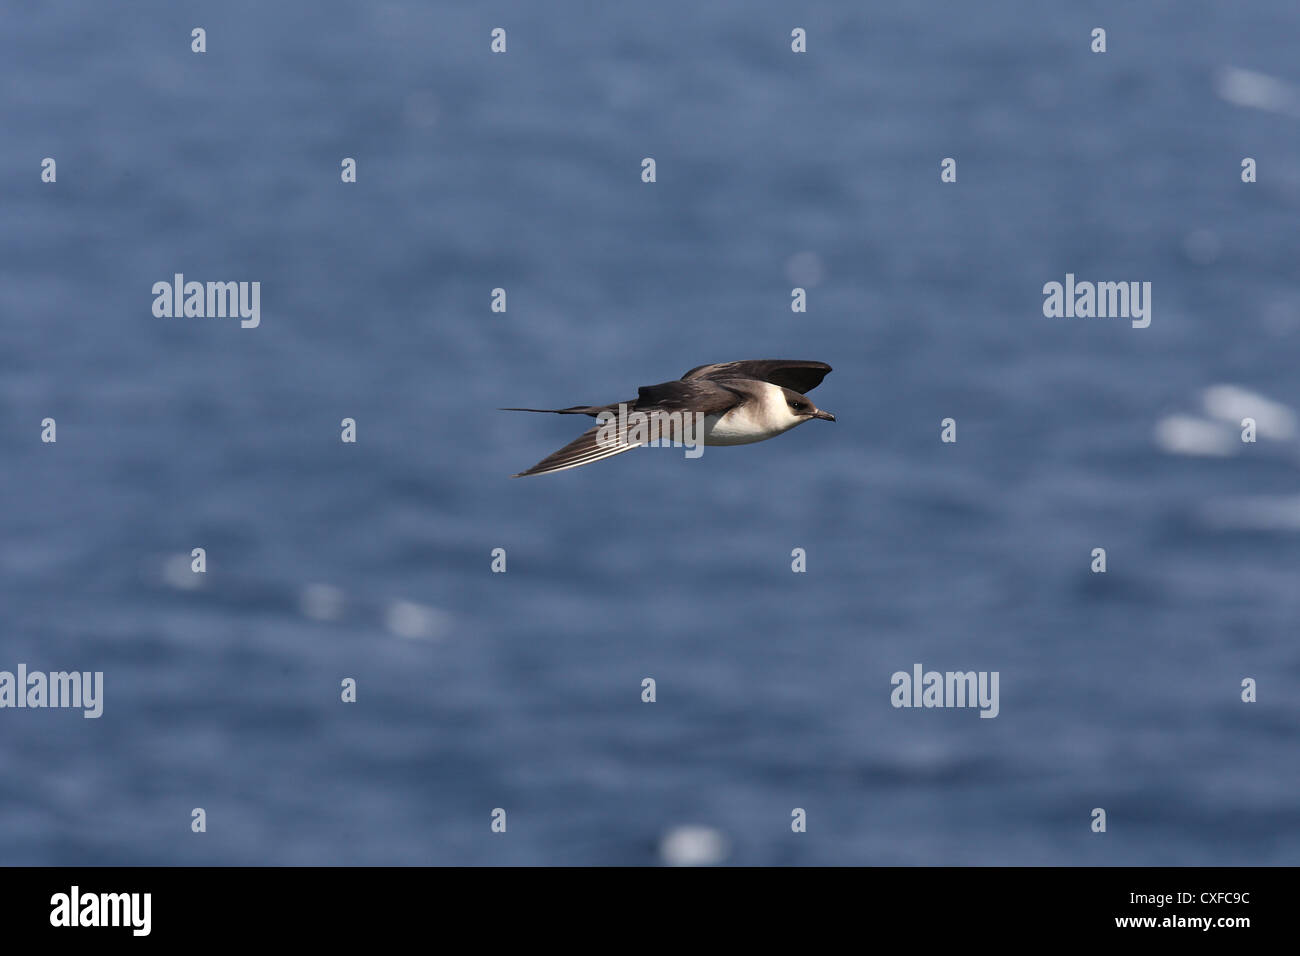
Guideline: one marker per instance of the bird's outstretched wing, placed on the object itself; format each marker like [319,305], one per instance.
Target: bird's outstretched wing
[665,409]
[583,450]
[797,374]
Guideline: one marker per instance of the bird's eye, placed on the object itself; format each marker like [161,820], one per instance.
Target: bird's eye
[796,405]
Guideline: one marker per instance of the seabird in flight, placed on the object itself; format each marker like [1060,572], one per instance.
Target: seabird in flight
[735,402]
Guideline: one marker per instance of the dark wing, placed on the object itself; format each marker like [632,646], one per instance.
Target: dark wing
[799,375]
[656,403]
[709,397]
[583,450]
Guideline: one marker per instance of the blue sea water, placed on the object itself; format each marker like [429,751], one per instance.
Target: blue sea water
[522,690]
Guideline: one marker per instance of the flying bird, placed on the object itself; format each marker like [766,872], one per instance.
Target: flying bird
[737,403]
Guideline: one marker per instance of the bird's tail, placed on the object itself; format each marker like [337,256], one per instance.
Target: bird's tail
[592,410]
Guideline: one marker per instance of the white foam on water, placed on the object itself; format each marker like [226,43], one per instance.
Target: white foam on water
[693,846]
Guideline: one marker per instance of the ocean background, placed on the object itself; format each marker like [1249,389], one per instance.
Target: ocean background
[522,691]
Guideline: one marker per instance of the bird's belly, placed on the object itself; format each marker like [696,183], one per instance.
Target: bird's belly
[736,427]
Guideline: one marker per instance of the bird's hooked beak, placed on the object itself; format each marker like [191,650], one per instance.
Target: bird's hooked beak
[824,416]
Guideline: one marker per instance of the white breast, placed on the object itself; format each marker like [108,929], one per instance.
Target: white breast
[752,420]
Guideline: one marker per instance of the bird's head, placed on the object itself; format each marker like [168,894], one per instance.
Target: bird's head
[802,407]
